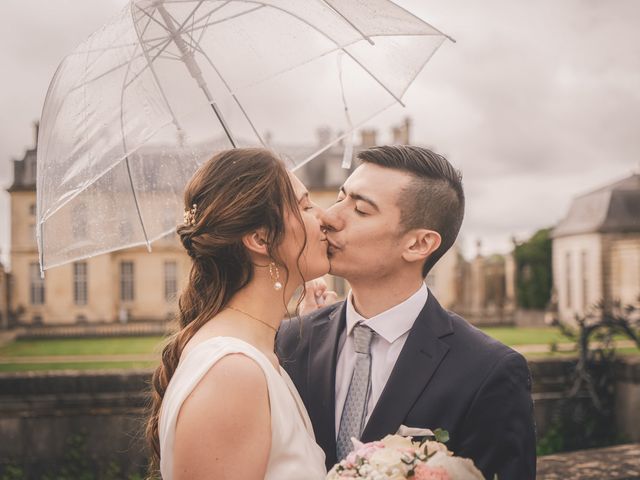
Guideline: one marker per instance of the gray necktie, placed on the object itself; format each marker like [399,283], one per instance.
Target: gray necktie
[355,405]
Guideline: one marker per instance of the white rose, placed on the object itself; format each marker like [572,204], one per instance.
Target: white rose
[458,468]
[433,446]
[398,442]
[385,458]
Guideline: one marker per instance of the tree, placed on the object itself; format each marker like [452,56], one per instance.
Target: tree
[533,264]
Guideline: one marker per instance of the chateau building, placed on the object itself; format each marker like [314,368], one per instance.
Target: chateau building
[596,248]
[121,286]
[4,298]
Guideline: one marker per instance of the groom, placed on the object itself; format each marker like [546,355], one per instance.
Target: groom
[390,355]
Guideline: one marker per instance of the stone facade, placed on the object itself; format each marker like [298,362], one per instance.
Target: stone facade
[4,298]
[486,289]
[596,249]
[122,286]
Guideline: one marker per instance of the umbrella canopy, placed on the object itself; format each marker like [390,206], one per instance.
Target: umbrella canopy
[133,111]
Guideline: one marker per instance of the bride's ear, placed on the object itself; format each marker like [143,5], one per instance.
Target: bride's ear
[256,242]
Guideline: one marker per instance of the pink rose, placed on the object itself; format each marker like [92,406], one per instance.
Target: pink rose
[365,451]
[425,472]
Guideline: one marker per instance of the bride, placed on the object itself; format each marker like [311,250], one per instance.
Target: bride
[223,408]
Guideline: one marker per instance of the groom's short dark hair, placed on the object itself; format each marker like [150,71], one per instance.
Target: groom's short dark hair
[433,199]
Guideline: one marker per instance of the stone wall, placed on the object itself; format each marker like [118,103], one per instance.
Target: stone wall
[57,420]
[73,422]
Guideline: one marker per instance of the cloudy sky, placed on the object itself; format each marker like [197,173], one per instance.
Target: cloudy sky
[535,103]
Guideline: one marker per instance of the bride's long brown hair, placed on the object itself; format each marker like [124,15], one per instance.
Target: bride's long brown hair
[236,192]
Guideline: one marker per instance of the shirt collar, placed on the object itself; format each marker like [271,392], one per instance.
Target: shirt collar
[393,323]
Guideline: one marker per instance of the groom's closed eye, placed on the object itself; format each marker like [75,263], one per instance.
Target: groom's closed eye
[363,203]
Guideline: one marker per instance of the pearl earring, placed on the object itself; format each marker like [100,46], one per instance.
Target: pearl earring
[275,276]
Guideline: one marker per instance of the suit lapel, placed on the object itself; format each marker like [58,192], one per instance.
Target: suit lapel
[323,346]
[418,361]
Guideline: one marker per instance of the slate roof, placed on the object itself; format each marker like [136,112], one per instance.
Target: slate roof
[614,208]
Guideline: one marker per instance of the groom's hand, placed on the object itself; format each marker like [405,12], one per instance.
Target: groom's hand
[317,295]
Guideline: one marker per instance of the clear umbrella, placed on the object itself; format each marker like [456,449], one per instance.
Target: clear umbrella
[133,111]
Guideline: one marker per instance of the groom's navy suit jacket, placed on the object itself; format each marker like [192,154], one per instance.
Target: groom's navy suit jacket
[449,375]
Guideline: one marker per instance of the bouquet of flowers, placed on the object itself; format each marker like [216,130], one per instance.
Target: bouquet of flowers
[397,458]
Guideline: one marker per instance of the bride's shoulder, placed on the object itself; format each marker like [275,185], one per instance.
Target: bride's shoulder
[234,370]
[235,382]
[228,413]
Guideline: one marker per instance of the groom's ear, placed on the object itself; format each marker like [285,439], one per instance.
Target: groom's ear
[256,242]
[419,244]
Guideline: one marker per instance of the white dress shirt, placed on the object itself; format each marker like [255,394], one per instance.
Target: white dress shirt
[392,329]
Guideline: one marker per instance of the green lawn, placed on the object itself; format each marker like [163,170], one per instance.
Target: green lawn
[146,345]
[82,346]
[30,367]
[525,336]
[152,346]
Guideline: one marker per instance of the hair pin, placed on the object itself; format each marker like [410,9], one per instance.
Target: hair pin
[190,215]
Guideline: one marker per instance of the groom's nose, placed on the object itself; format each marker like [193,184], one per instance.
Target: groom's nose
[331,219]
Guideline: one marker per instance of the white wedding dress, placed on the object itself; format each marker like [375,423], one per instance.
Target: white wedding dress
[294,452]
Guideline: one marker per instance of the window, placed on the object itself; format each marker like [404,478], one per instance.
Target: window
[170,281]
[79,222]
[585,279]
[126,281]
[567,272]
[36,285]
[80,283]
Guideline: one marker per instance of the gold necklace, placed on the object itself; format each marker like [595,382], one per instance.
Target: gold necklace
[251,316]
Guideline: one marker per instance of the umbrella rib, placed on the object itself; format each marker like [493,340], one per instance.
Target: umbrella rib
[150,61]
[124,149]
[424,63]
[374,77]
[203,31]
[204,17]
[105,49]
[233,95]
[231,17]
[192,65]
[166,29]
[418,18]
[103,74]
[102,52]
[52,211]
[366,37]
[206,20]
[338,45]
[155,77]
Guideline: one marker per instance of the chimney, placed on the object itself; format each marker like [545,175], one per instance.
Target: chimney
[36,130]
[402,134]
[407,130]
[396,132]
[368,137]
[478,248]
